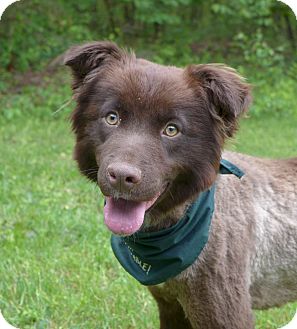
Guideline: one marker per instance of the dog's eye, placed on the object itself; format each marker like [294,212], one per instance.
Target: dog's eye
[112,118]
[171,130]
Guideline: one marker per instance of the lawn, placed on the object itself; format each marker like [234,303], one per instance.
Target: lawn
[57,269]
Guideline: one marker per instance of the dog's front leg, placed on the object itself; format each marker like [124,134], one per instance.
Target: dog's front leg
[171,313]
[218,306]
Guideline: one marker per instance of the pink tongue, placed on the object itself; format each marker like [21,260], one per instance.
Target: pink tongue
[123,216]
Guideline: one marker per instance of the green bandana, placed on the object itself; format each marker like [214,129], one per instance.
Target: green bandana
[153,257]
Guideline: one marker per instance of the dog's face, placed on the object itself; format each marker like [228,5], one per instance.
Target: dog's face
[150,135]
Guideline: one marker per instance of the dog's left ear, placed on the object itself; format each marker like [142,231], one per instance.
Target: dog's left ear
[228,96]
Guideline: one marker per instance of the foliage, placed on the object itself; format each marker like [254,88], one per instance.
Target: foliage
[256,32]
[34,31]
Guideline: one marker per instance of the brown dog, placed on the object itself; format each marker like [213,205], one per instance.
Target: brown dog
[152,136]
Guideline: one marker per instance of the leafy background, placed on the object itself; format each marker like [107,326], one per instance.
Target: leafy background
[57,269]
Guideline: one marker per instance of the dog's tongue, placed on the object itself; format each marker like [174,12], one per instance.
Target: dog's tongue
[123,216]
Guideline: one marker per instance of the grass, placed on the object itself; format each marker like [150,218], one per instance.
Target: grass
[57,269]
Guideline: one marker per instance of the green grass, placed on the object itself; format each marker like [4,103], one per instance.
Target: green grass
[57,269]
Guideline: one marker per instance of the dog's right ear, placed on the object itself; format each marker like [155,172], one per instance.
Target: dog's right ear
[88,57]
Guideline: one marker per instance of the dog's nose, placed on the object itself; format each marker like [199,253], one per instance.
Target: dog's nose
[123,176]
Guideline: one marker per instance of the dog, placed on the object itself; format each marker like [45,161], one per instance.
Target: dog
[152,138]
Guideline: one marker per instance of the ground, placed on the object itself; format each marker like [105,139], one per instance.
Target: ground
[57,269]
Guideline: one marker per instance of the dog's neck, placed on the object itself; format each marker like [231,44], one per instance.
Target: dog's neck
[156,221]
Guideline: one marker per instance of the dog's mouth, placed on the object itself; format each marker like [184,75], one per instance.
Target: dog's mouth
[125,217]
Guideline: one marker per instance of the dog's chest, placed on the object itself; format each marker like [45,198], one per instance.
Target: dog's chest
[169,290]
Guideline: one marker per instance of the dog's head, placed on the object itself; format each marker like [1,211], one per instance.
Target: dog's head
[150,135]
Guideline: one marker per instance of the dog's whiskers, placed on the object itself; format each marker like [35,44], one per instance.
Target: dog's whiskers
[90,170]
[171,195]
[65,104]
